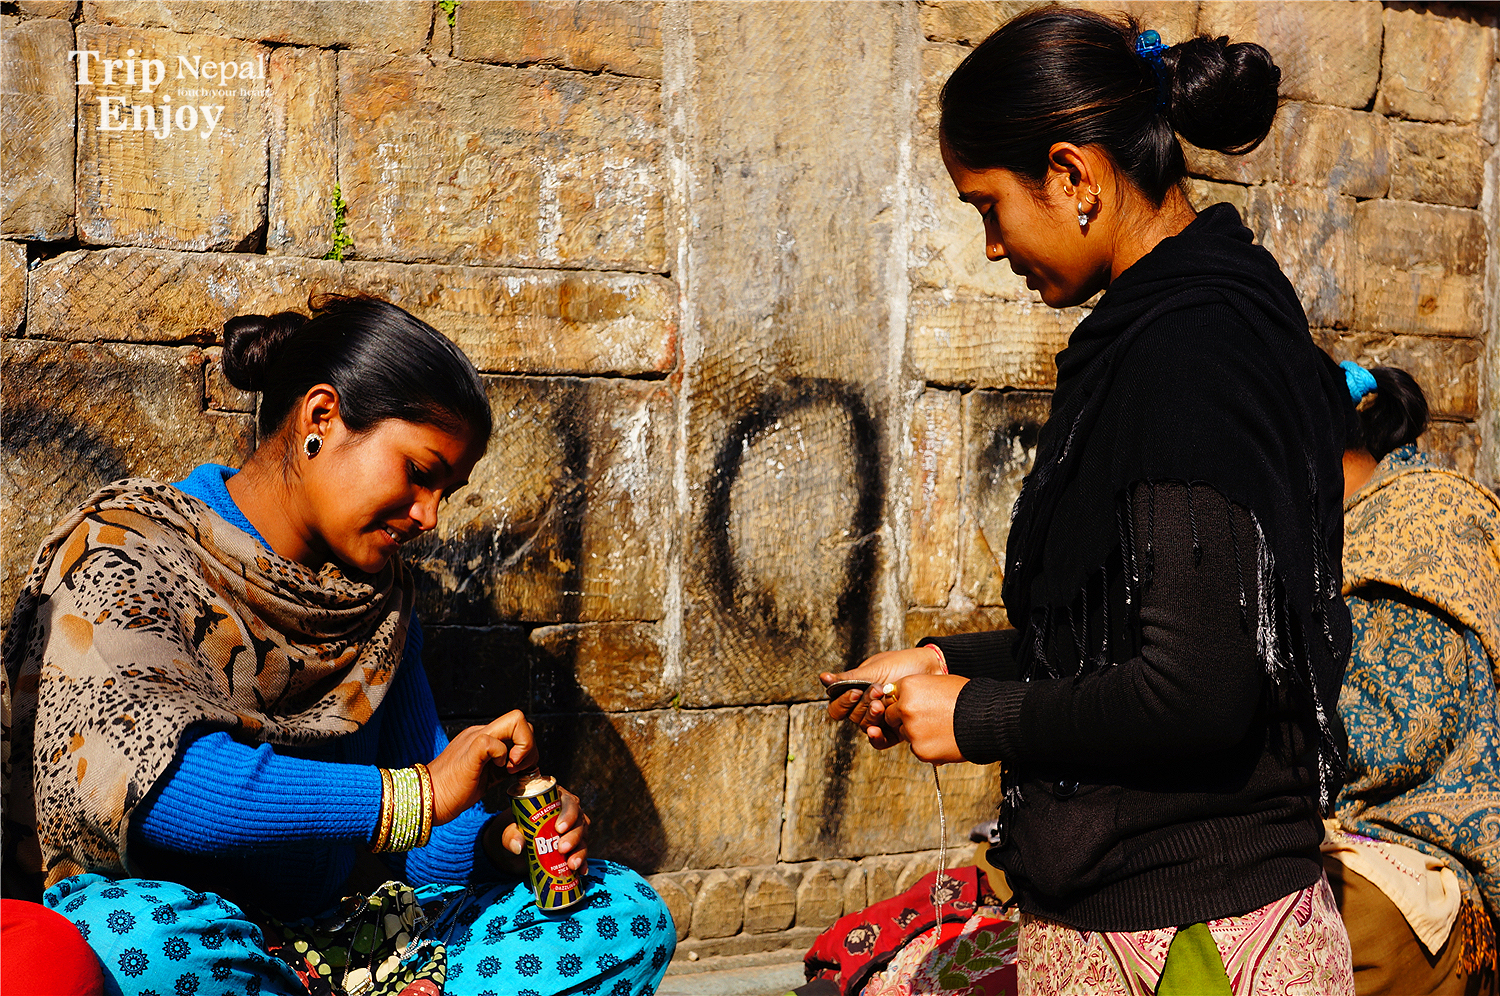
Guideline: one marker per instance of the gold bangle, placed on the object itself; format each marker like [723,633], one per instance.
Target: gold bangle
[387,812]
[429,803]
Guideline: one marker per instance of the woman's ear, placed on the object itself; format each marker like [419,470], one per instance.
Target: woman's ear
[319,410]
[1068,162]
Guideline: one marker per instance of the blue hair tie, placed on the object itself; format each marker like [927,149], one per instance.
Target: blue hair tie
[1149,47]
[1359,380]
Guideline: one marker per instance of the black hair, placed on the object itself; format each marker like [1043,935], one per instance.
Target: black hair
[1060,74]
[384,364]
[1394,415]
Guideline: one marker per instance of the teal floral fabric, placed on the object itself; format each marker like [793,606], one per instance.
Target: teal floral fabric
[1422,579]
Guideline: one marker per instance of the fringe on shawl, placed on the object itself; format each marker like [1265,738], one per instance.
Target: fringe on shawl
[1476,932]
[1286,658]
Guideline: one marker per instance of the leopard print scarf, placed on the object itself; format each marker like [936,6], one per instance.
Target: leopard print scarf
[145,614]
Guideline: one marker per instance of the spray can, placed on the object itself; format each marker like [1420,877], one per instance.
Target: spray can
[537,802]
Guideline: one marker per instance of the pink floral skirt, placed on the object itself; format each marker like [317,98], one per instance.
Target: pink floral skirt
[1296,946]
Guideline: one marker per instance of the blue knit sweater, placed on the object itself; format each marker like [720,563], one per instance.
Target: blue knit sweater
[280,826]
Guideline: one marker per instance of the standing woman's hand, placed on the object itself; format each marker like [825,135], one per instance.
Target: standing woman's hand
[476,759]
[885,667]
[920,711]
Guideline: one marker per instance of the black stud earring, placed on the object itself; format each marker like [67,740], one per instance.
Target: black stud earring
[312,445]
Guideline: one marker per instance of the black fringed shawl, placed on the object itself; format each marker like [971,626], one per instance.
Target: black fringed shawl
[1249,406]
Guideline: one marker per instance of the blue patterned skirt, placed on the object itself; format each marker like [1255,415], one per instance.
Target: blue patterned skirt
[159,938]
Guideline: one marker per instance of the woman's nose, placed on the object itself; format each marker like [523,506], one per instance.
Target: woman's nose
[994,251]
[424,510]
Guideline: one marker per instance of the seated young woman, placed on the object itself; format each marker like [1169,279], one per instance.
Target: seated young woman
[220,699]
[1415,855]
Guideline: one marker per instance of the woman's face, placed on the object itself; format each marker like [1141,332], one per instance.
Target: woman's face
[369,493]
[1037,231]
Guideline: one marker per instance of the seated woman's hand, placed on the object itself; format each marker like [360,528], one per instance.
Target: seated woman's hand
[885,667]
[475,759]
[572,825]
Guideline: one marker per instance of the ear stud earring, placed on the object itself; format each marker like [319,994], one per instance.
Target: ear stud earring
[312,445]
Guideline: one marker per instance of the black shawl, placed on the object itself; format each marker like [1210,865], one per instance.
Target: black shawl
[1242,401]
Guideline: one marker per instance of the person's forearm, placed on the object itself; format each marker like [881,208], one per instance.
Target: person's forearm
[1195,685]
[978,655]
[222,797]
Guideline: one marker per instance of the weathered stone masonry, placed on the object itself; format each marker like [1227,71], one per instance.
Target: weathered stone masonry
[763,406]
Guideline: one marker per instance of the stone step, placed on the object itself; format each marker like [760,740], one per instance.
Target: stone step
[771,973]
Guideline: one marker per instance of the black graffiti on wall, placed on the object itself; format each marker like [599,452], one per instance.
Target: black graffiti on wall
[785,403]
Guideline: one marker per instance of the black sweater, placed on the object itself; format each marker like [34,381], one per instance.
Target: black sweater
[1177,785]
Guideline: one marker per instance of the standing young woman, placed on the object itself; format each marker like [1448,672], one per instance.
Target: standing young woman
[222,724]
[1165,710]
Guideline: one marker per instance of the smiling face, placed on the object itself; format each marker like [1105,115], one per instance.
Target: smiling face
[366,494]
[1037,231]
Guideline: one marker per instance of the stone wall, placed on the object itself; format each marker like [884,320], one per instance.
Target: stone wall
[762,405]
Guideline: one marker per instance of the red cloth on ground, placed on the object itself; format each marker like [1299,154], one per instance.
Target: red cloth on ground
[863,943]
[43,954]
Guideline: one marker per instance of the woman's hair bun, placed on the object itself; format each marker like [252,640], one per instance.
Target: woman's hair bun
[1223,96]
[251,344]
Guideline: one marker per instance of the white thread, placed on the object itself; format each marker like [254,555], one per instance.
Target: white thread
[937,883]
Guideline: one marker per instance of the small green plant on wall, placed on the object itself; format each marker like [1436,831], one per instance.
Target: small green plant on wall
[450,7]
[342,240]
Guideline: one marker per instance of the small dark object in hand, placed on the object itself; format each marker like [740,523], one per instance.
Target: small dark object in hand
[843,687]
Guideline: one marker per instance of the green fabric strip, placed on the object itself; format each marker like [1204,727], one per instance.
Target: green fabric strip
[1194,966]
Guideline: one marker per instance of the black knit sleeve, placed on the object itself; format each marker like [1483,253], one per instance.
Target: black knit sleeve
[1194,686]
[978,655]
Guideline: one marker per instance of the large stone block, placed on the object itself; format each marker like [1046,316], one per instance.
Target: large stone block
[1309,232]
[675,788]
[462,163]
[36,117]
[615,667]
[382,25]
[506,321]
[610,36]
[934,471]
[12,287]
[304,140]
[977,342]
[948,250]
[1436,63]
[1335,148]
[561,521]
[820,899]
[1419,268]
[1328,50]
[1438,164]
[167,158]
[478,674]
[1203,193]
[1455,445]
[846,799]
[679,904]
[971,21]
[48,8]
[922,622]
[77,417]
[794,246]
[1260,165]
[1000,435]
[718,910]
[770,901]
[1448,370]
[218,393]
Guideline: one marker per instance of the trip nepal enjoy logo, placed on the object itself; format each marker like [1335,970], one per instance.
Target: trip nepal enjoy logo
[118,114]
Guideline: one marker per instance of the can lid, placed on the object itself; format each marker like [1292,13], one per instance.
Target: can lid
[530,783]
